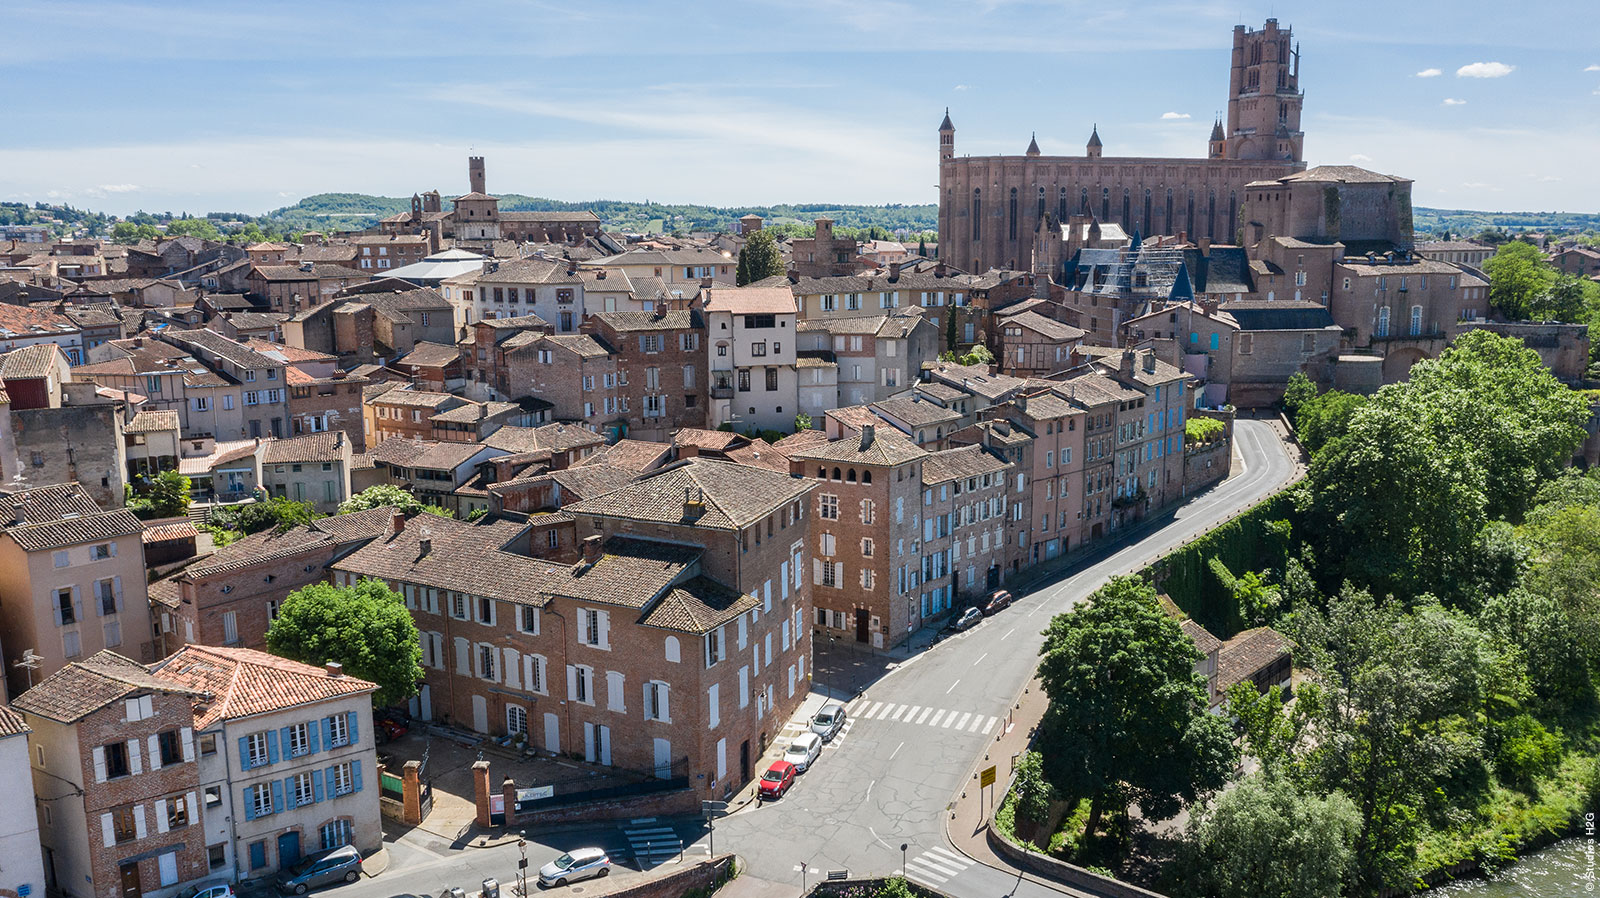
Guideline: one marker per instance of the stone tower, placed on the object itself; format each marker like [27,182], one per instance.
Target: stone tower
[947,138]
[1264,98]
[1033,146]
[475,175]
[1218,146]
[1094,147]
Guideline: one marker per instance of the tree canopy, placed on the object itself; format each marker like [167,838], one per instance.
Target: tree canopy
[759,259]
[1518,278]
[365,627]
[1266,838]
[392,496]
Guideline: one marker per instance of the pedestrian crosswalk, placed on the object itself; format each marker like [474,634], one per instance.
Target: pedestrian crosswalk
[863,709]
[936,866]
[651,842]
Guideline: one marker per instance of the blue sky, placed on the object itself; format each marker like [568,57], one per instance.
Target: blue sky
[204,106]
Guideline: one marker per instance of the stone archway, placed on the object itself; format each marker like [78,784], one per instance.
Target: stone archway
[1397,363]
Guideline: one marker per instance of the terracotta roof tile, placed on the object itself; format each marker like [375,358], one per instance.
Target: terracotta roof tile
[244,682]
[83,687]
[702,492]
[699,605]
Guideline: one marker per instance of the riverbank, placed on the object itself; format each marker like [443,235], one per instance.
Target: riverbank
[1567,869]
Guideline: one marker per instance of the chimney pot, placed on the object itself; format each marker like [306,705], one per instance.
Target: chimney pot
[894,272]
[591,548]
[868,433]
[424,546]
[335,669]
[705,282]
[397,523]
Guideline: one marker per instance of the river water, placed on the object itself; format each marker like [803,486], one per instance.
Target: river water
[1567,869]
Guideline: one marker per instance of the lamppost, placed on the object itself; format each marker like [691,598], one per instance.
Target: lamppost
[522,868]
[903,847]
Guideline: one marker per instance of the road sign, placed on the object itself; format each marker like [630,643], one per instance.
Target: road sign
[986,778]
[714,808]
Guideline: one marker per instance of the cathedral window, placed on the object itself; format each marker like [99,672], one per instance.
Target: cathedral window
[1013,215]
[977,214]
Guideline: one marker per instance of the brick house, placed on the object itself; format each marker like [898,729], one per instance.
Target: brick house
[976,480]
[661,368]
[311,468]
[404,412]
[1032,345]
[677,640]
[293,288]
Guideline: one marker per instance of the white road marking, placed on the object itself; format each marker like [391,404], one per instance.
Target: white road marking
[896,750]
[925,712]
[949,720]
[868,715]
[899,711]
[1008,633]
[935,720]
[964,718]
[978,719]
[980,659]
[952,686]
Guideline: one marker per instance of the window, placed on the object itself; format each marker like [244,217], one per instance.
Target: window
[593,628]
[342,779]
[338,730]
[208,744]
[1416,320]
[713,647]
[116,755]
[1246,343]
[256,749]
[260,800]
[868,510]
[458,606]
[230,627]
[760,322]
[300,790]
[772,381]
[485,610]
[828,506]
[336,834]
[299,740]
[100,552]
[486,659]
[866,547]
[655,702]
[528,615]
[66,613]
[579,691]
[169,747]
[830,573]
[202,403]
[744,381]
[1383,322]
[123,827]
[216,855]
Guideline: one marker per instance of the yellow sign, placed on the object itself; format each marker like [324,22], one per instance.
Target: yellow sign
[986,778]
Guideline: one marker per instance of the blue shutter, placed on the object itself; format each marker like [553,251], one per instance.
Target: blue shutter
[272,746]
[277,796]
[244,753]
[285,741]
[355,776]
[290,800]
[249,806]
[355,736]
[316,785]
[314,728]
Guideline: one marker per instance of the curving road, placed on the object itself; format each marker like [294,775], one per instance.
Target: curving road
[917,731]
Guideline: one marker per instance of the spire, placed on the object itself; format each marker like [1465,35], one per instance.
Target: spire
[1033,144]
[1182,290]
[945,125]
[1094,136]
[1216,131]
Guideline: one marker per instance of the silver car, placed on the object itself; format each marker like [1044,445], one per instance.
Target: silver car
[338,865]
[803,750]
[582,863]
[828,721]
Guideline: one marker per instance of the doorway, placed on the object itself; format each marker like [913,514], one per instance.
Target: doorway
[862,617]
[744,761]
[288,850]
[130,881]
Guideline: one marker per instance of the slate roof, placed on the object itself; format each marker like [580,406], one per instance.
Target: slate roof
[698,605]
[1279,315]
[243,682]
[730,496]
[84,687]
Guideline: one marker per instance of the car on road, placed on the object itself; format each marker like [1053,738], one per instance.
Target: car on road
[338,865]
[802,751]
[776,781]
[966,621]
[208,890]
[828,721]
[389,729]
[998,600]
[580,863]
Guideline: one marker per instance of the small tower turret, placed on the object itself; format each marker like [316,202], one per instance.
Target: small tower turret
[1094,148]
[1219,142]
[947,137]
[1033,145]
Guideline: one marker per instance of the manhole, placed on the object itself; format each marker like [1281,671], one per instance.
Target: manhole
[576,890]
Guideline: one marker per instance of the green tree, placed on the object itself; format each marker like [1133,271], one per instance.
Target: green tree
[1519,277]
[759,259]
[193,227]
[802,421]
[1031,791]
[277,513]
[1127,716]
[386,495]
[1321,420]
[922,247]
[951,338]
[1271,733]
[1297,392]
[365,627]
[1265,838]
[1570,299]
[169,495]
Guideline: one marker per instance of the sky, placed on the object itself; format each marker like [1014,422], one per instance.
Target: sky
[204,106]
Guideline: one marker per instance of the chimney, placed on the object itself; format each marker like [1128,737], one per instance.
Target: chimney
[305,266]
[335,669]
[705,283]
[1022,402]
[338,439]
[591,548]
[694,499]
[938,269]
[600,274]
[397,524]
[1150,362]
[424,546]
[794,275]
[894,272]
[1205,246]
[1127,363]
[138,342]
[1183,237]
[868,433]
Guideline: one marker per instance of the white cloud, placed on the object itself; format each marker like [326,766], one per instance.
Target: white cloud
[1429,73]
[1485,70]
[962,87]
[1360,157]
[1452,101]
[1172,116]
[1550,178]
[1593,68]
[119,188]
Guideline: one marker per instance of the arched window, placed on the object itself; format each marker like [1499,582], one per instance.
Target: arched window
[1233,218]
[1189,217]
[1127,210]
[1383,322]
[866,476]
[1083,201]
[850,476]
[977,214]
[836,474]
[1012,227]
[1145,221]
[1105,204]
[1416,320]
[822,473]
[1040,213]
[1061,204]
[1166,220]
[1211,216]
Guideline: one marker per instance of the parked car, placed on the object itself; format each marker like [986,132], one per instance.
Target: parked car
[998,600]
[582,863]
[966,621]
[389,729]
[777,780]
[828,721]
[208,890]
[803,750]
[338,865]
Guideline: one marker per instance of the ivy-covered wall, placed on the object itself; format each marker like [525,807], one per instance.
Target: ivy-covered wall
[1255,540]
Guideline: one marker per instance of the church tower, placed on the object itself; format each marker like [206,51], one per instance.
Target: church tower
[1264,98]
[1092,150]
[947,138]
[1218,146]
[475,178]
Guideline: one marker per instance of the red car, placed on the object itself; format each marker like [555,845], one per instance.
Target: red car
[997,601]
[777,780]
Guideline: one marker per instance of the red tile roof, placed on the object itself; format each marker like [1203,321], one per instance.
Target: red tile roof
[245,682]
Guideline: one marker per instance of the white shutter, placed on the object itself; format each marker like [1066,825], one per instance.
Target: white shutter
[463,656]
[527,671]
[816,571]
[605,628]
[116,587]
[572,683]
[107,828]
[714,715]
[783,580]
[161,815]
[513,674]
[493,611]
[134,764]
[155,752]
[113,550]
[99,765]
[191,809]
[138,821]
[188,745]
[663,691]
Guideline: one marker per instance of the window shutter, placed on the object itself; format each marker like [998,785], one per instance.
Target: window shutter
[663,691]
[316,785]
[816,571]
[116,586]
[314,732]
[161,815]
[55,606]
[113,550]
[513,676]
[249,805]
[155,752]
[188,744]
[134,765]
[244,753]
[572,683]
[284,740]
[277,796]
[605,628]
[355,776]
[100,765]
[493,612]
[77,602]
[272,746]
[108,830]
[139,831]
[355,732]
[463,657]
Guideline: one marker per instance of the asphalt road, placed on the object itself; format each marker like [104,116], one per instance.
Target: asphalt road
[917,732]
[888,779]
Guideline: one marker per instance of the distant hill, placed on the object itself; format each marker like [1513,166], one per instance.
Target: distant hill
[1466,223]
[332,211]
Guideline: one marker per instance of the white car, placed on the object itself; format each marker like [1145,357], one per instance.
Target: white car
[828,721]
[803,750]
[580,863]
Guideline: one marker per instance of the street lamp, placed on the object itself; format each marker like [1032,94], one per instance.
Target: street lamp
[522,868]
[903,846]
